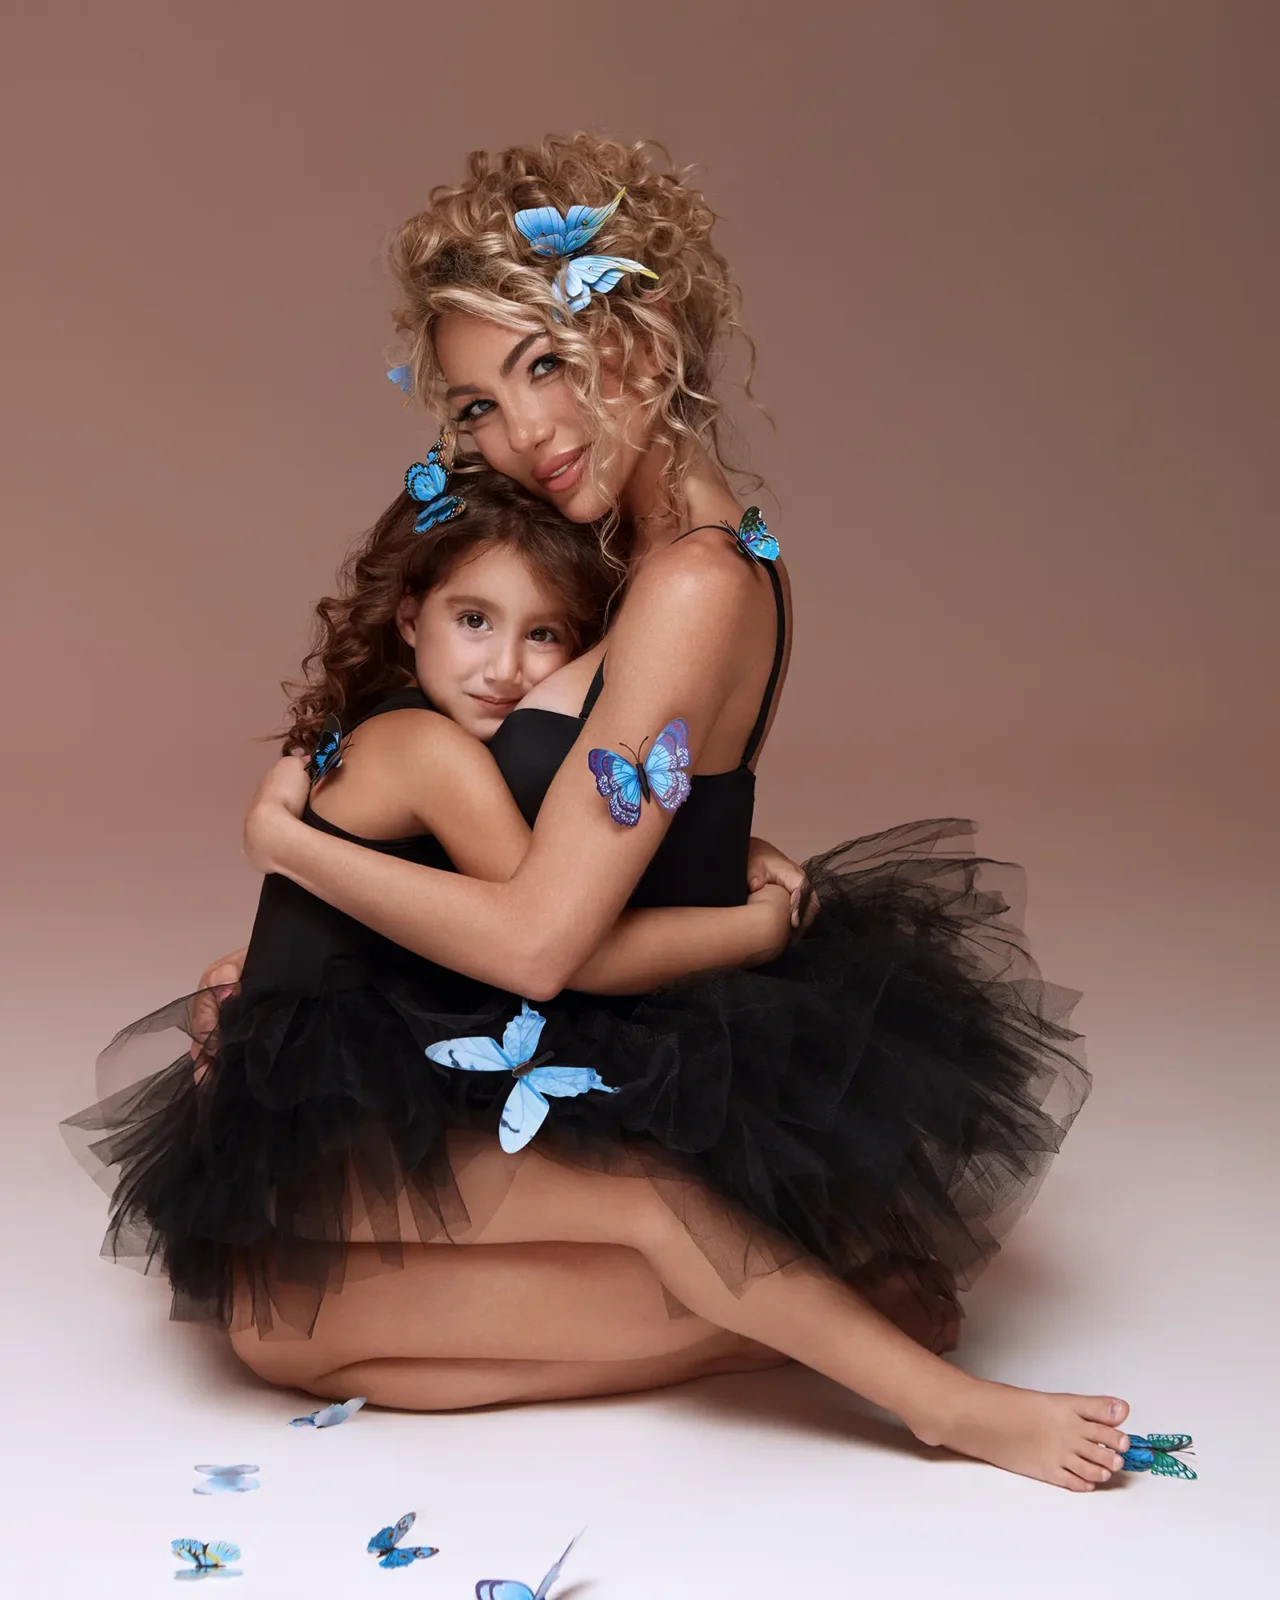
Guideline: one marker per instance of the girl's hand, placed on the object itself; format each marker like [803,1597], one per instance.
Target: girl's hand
[775,910]
[766,864]
[279,802]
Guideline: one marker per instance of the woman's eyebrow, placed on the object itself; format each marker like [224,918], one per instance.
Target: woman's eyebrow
[512,356]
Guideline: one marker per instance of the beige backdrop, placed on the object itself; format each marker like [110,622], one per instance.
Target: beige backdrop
[1011,268]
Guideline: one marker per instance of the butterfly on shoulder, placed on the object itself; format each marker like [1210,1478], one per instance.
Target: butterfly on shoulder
[327,755]
[754,537]
[426,482]
[660,775]
[386,1545]
[1158,1453]
[535,1087]
[330,1416]
[212,1560]
[512,1589]
[227,1480]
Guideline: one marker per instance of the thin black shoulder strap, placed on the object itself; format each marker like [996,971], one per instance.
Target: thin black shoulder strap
[593,693]
[779,645]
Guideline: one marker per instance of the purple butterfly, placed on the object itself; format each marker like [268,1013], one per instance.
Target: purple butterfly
[660,775]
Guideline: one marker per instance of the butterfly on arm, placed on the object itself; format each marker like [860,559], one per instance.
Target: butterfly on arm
[660,775]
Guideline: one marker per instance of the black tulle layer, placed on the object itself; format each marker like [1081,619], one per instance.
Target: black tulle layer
[894,1086]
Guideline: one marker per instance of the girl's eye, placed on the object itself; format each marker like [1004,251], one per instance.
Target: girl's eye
[544,636]
[472,412]
[544,365]
[475,620]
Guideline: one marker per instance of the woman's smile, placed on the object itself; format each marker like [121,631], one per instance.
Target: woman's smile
[563,472]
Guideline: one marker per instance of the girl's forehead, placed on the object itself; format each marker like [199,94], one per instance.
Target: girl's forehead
[503,570]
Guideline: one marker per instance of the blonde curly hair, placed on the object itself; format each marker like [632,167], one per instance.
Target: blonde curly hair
[464,253]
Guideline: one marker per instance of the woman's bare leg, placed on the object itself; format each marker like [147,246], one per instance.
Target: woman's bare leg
[809,1315]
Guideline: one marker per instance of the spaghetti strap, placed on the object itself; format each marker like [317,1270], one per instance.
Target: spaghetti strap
[775,672]
[593,693]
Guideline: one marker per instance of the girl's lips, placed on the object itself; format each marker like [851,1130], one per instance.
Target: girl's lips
[564,472]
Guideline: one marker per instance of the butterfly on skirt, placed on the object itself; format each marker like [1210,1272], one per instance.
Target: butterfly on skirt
[386,1545]
[660,775]
[1157,1453]
[227,1480]
[327,755]
[212,1560]
[527,1104]
[510,1589]
[329,1416]
[427,482]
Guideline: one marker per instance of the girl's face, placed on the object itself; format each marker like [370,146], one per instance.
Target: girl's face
[507,390]
[484,637]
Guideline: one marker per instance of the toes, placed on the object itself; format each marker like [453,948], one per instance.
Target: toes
[1066,1479]
[1103,1455]
[1089,1470]
[1104,1408]
[1112,1438]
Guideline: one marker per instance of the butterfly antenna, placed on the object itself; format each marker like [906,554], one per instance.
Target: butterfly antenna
[635,759]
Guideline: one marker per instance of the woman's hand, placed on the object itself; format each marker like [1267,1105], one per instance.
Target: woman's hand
[279,802]
[217,981]
[774,904]
[766,864]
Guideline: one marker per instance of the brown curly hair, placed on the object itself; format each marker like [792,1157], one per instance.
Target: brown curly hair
[464,253]
[358,657]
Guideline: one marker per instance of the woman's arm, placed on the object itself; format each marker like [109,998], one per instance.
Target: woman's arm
[682,645]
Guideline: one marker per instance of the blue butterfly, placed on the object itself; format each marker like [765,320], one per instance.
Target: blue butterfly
[510,1589]
[212,1560]
[660,775]
[754,537]
[426,482]
[227,1480]
[1153,1452]
[329,1416]
[384,1545]
[327,755]
[402,377]
[526,1108]
[550,234]
[587,274]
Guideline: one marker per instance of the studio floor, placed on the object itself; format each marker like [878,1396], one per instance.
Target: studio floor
[1146,1268]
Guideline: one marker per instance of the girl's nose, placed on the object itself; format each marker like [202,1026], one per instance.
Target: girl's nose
[502,667]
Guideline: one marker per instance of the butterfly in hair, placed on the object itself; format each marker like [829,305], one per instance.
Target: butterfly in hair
[511,1589]
[1158,1453]
[660,775]
[554,235]
[212,1560]
[386,1545]
[426,482]
[327,755]
[588,275]
[527,1104]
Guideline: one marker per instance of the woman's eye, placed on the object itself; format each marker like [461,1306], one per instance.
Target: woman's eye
[544,365]
[472,412]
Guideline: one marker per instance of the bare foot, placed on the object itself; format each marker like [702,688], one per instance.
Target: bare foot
[1066,1439]
[916,1296]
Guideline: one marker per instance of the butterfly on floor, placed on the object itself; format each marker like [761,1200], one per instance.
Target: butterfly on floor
[227,1480]
[426,482]
[327,755]
[212,1560]
[510,1589]
[1158,1453]
[386,1545]
[330,1416]
[660,775]
[527,1104]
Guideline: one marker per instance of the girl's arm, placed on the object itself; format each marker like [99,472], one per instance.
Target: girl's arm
[452,785]
[688,636]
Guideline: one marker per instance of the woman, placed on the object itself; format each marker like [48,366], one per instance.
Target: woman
[586,379]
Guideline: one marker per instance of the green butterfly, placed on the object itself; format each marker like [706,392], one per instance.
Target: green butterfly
[1155,1452]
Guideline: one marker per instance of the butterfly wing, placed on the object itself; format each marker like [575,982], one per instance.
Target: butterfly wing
[587,275]
[1167,1441]
[388,1538]
[665,763]
[470,1055]
[243,1470]
[191,1550]
[1166,1466]
[522,1116]
[544,228]
[407,1556]
[582,223]
[520,1039]
[565,1083]
[329,1416]
[503,1589]
[545,1586]
[1138,1458]
[425,480]
[402,377]
[619,783]
[445,509]
[327,755]
[755,536]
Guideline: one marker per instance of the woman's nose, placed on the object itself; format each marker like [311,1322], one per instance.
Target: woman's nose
[528,427]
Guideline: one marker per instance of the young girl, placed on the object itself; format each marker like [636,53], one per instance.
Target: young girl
[312,1110]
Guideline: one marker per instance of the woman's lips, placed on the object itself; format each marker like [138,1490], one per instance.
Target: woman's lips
[562,472]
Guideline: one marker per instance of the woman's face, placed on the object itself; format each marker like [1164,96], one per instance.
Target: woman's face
[507,389]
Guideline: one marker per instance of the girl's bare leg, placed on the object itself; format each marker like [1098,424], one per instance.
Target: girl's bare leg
[1070,1440]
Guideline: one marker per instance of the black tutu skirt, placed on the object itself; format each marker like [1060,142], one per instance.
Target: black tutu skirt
[891,1089]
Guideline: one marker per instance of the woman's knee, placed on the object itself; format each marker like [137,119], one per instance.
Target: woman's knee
[287,1363]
